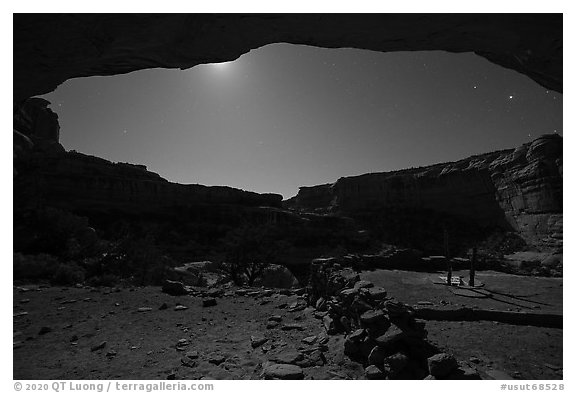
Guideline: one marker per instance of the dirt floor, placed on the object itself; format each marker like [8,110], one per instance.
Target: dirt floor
[145,342]
[522,352]
[56,330]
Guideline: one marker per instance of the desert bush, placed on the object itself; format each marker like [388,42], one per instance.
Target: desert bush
[68,274]
[135,259]
[34,267]
[248,251]
[104,280]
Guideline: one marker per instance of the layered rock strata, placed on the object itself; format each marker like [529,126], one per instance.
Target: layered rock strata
[518,189]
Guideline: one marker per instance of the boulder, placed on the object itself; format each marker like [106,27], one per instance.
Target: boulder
[373,372]
[282,371]
[174,288]
[441,365]
[208,302]
[256,341]
[373,317]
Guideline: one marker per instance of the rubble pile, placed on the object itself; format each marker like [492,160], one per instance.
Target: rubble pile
[382,334]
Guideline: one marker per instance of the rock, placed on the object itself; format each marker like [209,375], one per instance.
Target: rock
[309,340]
[552,261]
[329,324]
[288,357]
[44,330]
[282,371]
[111,353]
[145,309]
[299,291]
[187,362]
[526,184]
[441,365]
[181,344]
[363,284]
[321,304]
[216,359]
[275,318]
[394,364]
[498,375]
[376,293]
[180,307]
[296,306]
[292,326]
[317,358]
[272,324]
[174,288]
[97,347]
[390,338]
[214,292]
[373,317]
[208,302]
[351,347]
[277,276]
[373,372]
[256,341]
[376,356]
[171,376]
[464,372]
[348,294]
[366,346]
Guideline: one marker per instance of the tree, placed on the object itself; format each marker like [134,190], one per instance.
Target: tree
[248,251]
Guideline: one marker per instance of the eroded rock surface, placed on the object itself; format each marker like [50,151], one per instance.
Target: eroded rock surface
[518,189]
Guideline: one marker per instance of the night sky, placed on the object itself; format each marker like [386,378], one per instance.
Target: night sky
[285,116]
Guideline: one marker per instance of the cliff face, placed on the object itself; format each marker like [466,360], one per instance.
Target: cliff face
[47,175]
[519,189]
[88,184]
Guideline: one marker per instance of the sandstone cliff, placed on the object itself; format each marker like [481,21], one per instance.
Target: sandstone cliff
[88,184]
[518,189]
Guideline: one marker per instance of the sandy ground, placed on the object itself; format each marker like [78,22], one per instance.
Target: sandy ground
[55,337]
[145,342]
[523,352]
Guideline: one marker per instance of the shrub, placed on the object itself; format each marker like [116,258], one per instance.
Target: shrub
[68,274]
[34,267]
[248,252]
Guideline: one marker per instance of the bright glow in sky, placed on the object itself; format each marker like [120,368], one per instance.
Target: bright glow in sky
[285,116]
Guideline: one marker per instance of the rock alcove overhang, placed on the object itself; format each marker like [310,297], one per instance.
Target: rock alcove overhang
[52,48]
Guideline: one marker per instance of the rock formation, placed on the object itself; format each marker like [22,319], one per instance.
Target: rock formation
[518,189]
[88,184]
[51,48]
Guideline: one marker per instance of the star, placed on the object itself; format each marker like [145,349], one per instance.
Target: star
[510,97]
[475,87]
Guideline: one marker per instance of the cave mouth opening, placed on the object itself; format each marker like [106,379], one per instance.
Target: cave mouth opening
[284,116]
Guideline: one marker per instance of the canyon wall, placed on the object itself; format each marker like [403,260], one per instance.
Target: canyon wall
[88,184]
[517,189]
[47,175]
